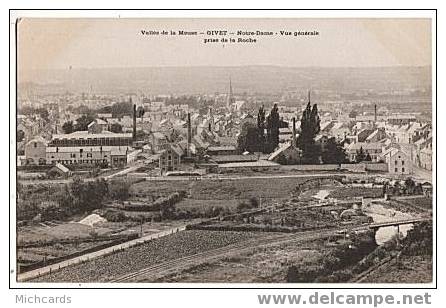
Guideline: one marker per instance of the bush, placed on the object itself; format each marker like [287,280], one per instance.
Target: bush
[332,267]
[114,216]
[252,204]
[119,190]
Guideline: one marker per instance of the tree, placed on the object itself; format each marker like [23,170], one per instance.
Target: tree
[248,140]
[140,112]
[396,189]
[353,114]
[310,127]
[116,128]
[333,153]
[368,157]
[82,122]
[410,185]
[261,127]
[20,135]
[68,127]
[272,126]
[44,114]
[254,202]
[360,155]
[122,108]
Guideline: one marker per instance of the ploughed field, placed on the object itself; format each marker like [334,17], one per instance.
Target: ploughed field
[222,189]
[167,248]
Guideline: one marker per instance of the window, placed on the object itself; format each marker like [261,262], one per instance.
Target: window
[396,169]
[35,144]
[396,162]
[402,170]
[402,163]
[89,154]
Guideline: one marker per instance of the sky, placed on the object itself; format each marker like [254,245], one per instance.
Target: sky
[103,43]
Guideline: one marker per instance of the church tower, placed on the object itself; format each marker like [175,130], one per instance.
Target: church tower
[230,99]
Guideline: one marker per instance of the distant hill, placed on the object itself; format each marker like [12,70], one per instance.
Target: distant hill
[249,79]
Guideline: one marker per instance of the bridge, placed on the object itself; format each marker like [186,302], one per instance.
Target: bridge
[398,223]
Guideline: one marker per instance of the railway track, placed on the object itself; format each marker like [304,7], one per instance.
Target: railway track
[164,268]
[364,275]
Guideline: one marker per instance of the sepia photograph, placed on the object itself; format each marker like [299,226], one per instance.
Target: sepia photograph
[224,150]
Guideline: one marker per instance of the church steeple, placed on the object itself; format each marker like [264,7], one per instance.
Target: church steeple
[230,100]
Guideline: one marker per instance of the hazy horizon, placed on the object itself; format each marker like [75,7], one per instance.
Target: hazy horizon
[238,66]
[208,79]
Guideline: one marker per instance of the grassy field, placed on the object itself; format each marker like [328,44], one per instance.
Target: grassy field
[63,231]
[350,192]
[422,201]
[260,265]
[411,269]
[37,254]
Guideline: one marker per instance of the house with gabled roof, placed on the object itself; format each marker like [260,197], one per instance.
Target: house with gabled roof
[170,158]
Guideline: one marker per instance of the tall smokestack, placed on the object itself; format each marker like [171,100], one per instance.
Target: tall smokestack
[189,135]
[376,115]
[134,122]
[294,143]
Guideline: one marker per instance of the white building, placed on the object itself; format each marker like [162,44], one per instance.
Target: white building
[114,156]
[398,161]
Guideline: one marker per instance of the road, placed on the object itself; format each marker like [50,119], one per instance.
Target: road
[422,174]
[87,257]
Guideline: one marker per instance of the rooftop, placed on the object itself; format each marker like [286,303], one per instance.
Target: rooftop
[365,145]
[86,135]
[259,163]
[234,158]
[222,148]
[87,149]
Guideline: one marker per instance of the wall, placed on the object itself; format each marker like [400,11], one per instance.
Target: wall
[361,167]
[325,167]
[66,157]
[35,151]
[382,167]
[133,155]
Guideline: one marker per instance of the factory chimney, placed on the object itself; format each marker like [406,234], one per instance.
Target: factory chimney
[293,140]
[134,122]
[376,115]
[189,135]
